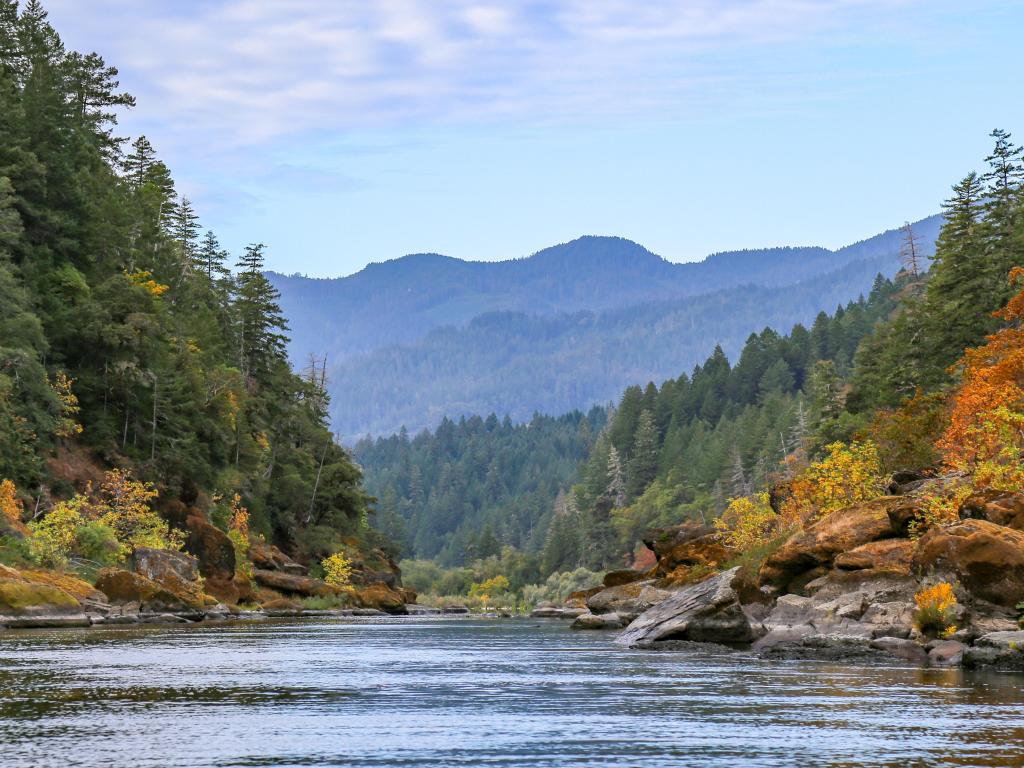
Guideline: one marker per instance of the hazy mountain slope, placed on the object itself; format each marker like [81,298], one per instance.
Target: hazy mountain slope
[517,364]
[402,300]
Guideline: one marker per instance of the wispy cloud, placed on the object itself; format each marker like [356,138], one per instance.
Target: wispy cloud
[248,71]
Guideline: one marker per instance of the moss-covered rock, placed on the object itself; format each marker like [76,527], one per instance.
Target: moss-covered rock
[121,586]
[379,596]
[27,603]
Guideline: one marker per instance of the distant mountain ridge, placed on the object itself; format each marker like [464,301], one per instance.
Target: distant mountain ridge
[413,339]
[401,300]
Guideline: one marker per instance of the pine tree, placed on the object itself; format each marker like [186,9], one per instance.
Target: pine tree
[185,232]
[211,258]
[643,464]
[615,490]
[138,163]
[260,323]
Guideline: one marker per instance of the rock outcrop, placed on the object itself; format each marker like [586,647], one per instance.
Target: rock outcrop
[127,587]
[998,507]
[28,602]
[821,543]
[988,559]
[681,548]
[707,612]
[627,600]
[216,560]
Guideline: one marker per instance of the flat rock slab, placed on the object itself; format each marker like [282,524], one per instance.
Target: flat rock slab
[705,612]
[946,653]
[597,621]
[902,649]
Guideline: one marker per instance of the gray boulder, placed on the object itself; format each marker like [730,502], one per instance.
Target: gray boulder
[1002,650]
[708,611]
[627,600]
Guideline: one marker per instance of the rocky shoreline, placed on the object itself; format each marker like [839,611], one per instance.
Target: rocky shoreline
[843,589]
[205,583]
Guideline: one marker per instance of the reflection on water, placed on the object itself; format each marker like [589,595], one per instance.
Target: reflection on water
[469,692]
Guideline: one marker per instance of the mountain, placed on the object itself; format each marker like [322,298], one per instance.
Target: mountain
[414,339]
[401,300]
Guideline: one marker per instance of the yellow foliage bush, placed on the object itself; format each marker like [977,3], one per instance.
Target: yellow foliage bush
[67,424]
[118,517]
[489,588]
[238,532]
[847,475]
[748,522]
[337,570]
[123,505]
[145,279]
[52,537]
[940,508]
[934,614]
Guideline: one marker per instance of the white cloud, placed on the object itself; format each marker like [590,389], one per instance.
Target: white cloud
[240,71]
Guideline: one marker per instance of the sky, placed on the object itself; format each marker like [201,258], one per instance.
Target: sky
[343,132]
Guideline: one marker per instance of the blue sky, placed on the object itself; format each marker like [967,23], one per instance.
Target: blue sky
[344,132]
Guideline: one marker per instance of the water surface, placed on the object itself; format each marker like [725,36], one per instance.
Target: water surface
[473,692]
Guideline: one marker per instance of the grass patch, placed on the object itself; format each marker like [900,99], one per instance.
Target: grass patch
[751,560]
[325,603]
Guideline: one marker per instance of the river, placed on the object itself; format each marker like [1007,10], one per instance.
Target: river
[473,692]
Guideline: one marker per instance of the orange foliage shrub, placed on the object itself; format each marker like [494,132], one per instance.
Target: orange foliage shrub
[985,436]
[10,507]
[934,612]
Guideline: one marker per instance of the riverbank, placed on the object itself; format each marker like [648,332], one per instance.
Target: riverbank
[853,586]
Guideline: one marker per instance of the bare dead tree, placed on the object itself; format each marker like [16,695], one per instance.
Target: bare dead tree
[910,250]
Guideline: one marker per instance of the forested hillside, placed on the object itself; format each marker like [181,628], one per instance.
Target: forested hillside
[566,328]
[469,487]
[875,388]
[125,340]
[518,363]
[706,436]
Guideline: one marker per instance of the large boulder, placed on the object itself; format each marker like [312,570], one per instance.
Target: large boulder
[986,558]
[29,603]
[267,557]
[216,558]
[175,572]
[866,604]
[892,555]
[164,565]
[685,546]
[381,597]
[618,578]
[578,599]
[126,587]
[627,600]
[1001,650]
[999,507]
[819,544]
[705,612]
[597,621]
